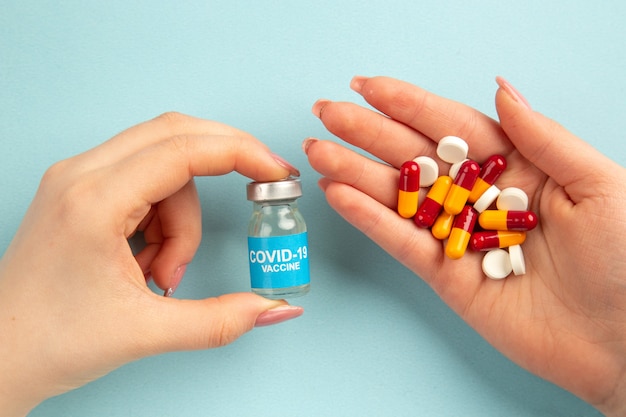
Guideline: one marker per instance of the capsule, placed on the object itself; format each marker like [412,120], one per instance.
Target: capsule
[507,220]
[408,189]
[461,187]
[496,239]
[442,226]
[489,173]
[431,206]
[461,232]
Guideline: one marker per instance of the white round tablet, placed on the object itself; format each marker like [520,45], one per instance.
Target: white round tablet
[429,170]
[452,149]
[487,199]
[516,255]
[454,168]
[497,264]
[512,199]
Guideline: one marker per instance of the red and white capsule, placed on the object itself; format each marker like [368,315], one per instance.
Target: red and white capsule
[489,173]
[408,189]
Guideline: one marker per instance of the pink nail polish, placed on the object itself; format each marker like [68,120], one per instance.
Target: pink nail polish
[175,280]
[357,83]
[511,91]
[306,143]
[278,315]
[283,163]
[318,107]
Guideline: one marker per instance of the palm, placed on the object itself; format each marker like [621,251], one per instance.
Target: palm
[549,320]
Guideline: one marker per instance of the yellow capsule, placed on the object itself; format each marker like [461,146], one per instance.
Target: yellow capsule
[442,226]
[496,239]
[461,188]
[408,189]
[461,232]
[489,173]
[507,220]
[431,206]
[480,186]
[407,203]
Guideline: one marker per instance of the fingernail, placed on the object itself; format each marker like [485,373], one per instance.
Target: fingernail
[357,83]
[292,170]
[323,183]
[306,143]
[175,280]
[512,92]
[318,107]
[278,315]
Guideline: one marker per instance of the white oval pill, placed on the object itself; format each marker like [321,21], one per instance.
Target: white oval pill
[512,199]
[487,199]
[429,170]
[452,149]
[516,256]
[497,264]
[454,168]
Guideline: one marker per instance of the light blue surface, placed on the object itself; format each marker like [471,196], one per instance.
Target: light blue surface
[375,340]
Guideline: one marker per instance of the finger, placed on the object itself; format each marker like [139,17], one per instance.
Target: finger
[162,169]
[396,235]
[339,164]
[201,324]
[570,161]
[145,134]
[373,132]
[433,116]
[177,234]
[453,280]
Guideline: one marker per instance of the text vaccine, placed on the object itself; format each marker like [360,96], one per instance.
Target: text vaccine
[278,252]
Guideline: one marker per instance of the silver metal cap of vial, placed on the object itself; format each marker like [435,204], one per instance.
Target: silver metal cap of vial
[276,190]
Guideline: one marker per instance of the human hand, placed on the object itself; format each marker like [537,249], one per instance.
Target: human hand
[565,319]
[74,303]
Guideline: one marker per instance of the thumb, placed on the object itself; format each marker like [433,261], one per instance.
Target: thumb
[213,322]
[549,146]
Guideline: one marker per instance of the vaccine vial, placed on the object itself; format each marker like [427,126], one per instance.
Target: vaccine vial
[278,252]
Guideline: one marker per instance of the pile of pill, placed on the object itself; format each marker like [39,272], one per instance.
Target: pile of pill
[459,207]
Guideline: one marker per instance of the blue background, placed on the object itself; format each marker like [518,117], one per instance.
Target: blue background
[375,340]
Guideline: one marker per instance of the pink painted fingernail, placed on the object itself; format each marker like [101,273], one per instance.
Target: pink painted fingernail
[306,143]
[318,107]
[283,163]
[175,280]
[278,315]
[512,92]
[357,83]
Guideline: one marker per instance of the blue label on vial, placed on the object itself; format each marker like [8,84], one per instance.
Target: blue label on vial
[278,261]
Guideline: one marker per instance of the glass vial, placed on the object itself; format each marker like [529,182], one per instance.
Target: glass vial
[278,252]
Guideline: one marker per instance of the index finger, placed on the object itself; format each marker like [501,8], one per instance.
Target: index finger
[150,132]
[163,168]
[432,115]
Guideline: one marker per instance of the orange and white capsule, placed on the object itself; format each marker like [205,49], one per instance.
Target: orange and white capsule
[489,173]
[461,232]
[408,189]
[442,226]
[507,220]
[461,187]
[496,239]
[431,206]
